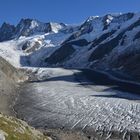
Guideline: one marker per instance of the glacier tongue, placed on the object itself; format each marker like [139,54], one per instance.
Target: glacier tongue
[69,102]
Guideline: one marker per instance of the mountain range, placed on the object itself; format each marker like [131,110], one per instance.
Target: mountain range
[109,43]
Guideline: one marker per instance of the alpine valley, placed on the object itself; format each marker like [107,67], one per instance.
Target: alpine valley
[74,82]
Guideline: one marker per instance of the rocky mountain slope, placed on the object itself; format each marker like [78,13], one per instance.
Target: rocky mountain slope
[15,129]
[109,42]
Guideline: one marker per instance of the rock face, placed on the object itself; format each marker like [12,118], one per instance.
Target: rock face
[61,54]
[6,31]
[15,74]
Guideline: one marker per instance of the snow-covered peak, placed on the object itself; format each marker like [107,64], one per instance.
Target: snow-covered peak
[91,18]
[27,27]
[108,18]
[100,22]
[96,25]
[55,27]
[33,24]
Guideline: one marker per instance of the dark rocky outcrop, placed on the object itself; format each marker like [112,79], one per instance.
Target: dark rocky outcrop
[123,40]
[105,23]
[30,46]
[6,32]
[80,42]
[60,54]
[103,37]
[105,48]
[137,36]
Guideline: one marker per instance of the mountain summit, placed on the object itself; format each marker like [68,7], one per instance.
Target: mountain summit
[28,27]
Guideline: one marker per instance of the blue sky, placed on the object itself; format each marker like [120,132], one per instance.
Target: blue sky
[67,11]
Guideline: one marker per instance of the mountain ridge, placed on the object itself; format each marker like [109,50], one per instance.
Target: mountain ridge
[109,42]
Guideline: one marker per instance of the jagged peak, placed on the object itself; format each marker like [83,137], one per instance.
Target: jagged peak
[35,21]
[6,25]
[29,22]
[6,31]
[110,15]
[90,18]
[30,26]
[40,26]
[55,27]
